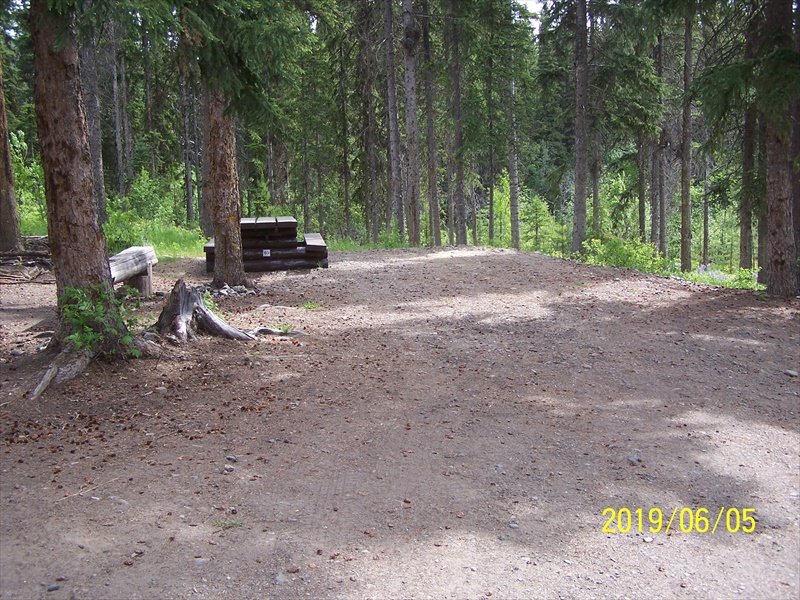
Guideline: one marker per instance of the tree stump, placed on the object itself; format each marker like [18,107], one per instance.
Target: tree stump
[185,315]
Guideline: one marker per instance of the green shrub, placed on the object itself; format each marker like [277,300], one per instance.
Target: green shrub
[123,229]
[631,254]
[100,322]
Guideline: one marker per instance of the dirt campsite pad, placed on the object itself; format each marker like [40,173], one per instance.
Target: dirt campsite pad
[452,425]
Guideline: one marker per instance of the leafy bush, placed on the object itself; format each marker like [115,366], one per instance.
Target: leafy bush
[123,229]
[100,322]
[632,254]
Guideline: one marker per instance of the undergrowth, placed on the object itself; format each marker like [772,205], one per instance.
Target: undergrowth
[100,321]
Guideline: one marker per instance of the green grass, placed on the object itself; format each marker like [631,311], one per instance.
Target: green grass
[224,525]
[282,327]
[311,305]
[172,243]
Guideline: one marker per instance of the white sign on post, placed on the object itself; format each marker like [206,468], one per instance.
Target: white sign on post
[265,253]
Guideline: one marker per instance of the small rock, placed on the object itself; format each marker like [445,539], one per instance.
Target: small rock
[228,469]
[514,525]
[293,569]
[239,289]
[791,373]
[231,458]
[17,352]
[233,510]
[648,539]
[634,459]
[280,579]
[52,587]
[161,389]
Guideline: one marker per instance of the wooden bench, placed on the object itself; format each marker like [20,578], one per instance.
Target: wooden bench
[134,266]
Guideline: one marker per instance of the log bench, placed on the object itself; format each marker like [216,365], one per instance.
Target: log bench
[134,266]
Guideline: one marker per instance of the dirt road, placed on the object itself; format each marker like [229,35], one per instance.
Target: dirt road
[451,425]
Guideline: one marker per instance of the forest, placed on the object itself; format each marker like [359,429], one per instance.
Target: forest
[523,373]
[656,135]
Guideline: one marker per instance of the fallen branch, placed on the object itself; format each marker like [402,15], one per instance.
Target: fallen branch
[89,489]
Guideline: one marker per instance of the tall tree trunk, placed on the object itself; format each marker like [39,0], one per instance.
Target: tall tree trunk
[10,239]
[641,183]
[224,184]
[781,256]
[654,208]
[370,130]
[148,100]
[663,201]
[115,96]
[686,149]
[513,172]
[459,201]
[761,196]
[345,141]
[395,176]
[451,177]
[748,162]
[306,185]
[187,106]
[748,189]
[77,244]
[581,133]
[705,259]
[205,198]
[320,190]
[91,102]
[796,147]
[127,133]
[595,176]
[430,132]
[411,35]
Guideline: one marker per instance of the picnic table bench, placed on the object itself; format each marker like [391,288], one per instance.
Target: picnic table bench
[134,266]
[271,244]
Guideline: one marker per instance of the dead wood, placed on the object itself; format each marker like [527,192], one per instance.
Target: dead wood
[185,315]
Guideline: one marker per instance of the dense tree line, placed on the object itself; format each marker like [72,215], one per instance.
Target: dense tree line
[420,121]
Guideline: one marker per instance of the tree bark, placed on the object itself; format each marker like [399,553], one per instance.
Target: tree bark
[513,172]
[686,149]
[459,201]
[77,244]
[781,256]
[411,35]
[115,96]
[345,141]
[10,239]
[795,155]
[148,100]
[748,162]
[430,132]
[91,102]
[187,106]
[748,189]
[127,133]
[595,177]
[395,176]
[224,189]
[581,135]
[370,131]
[205,198]
[641,184]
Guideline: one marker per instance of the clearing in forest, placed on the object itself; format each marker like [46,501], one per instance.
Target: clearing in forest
[452,425]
